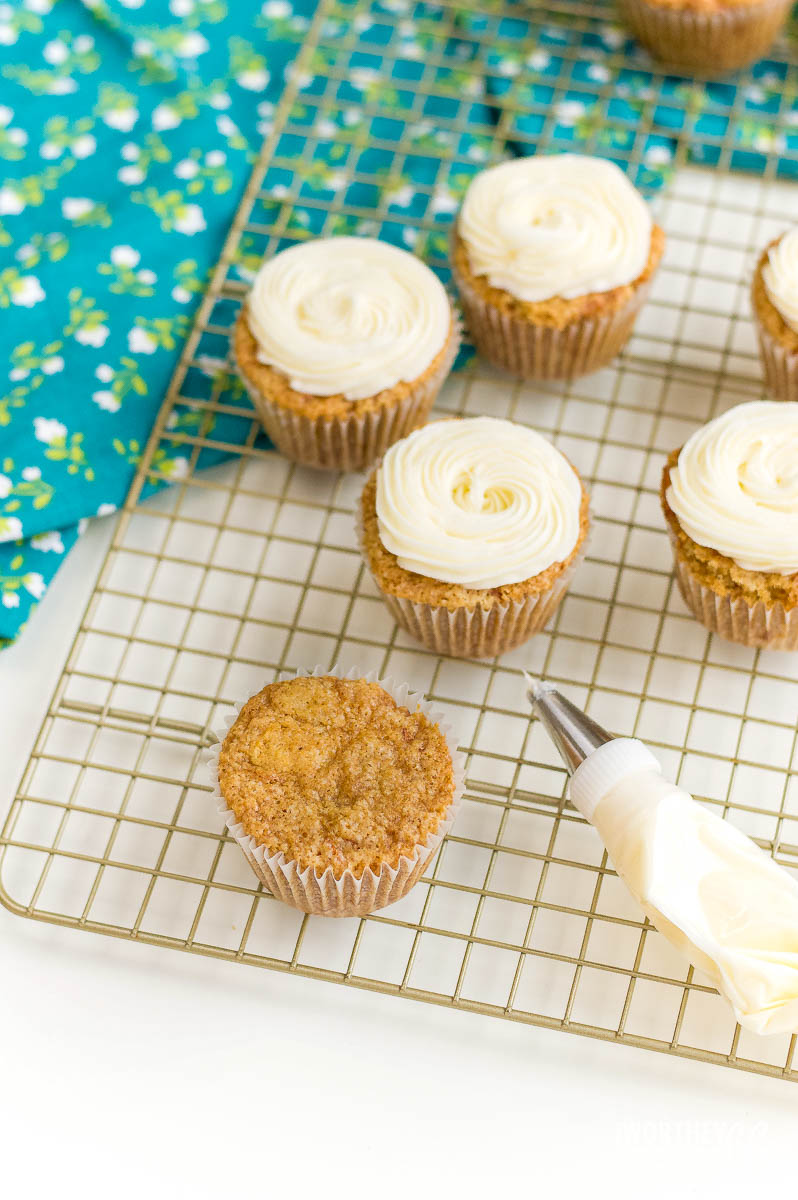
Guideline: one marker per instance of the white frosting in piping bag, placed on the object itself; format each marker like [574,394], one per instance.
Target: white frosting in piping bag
[735,486]
[348,315]
[780,277]
[480,502]
[706,886]
[561,225]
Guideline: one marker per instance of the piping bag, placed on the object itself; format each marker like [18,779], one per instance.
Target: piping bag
[706,887]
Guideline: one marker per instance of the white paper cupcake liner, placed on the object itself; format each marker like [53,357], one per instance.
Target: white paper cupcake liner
[780,365]
[531,351]
[348,895]
[708,42]
[770,627]
[351,443]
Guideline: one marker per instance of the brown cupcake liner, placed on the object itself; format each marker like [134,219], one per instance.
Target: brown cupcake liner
[709,42]
[351,443]
[349,895]
[780,365]
[770,627]
[478,632]
[531,351]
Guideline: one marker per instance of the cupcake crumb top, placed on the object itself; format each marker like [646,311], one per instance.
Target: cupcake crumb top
[334,773]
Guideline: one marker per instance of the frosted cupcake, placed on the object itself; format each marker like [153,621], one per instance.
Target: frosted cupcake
[339,789]
[343,344]
[472,529]
[708,36]
[775,302]
[730,497]
[553,258]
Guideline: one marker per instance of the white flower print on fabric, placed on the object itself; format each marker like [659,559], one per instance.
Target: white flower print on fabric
[47,542]
[10,529]
[26,291]
[34,583]
[48,429]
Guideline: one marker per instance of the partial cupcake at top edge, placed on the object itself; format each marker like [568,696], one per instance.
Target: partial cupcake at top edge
[774,297]
[472,529]
[730,498]
[709,37]
[343,344]
[553,257]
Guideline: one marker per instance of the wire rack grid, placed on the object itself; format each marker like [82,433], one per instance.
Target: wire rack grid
[244,569]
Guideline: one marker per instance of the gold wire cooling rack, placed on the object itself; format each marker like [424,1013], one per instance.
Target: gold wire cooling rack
[218,583]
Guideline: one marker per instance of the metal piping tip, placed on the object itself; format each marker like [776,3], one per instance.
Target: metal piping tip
[574,733]
[536,687]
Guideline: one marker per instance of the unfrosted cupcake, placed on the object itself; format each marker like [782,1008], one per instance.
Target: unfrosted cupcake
[730,497]
[553,258]
[343,344]
[707,36]
[472,529]
[775,301]
[339,789]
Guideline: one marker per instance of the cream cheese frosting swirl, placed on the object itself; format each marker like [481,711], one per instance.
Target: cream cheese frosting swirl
[348,315]
[562,225]
[780,277]
[735,486]
[479,502]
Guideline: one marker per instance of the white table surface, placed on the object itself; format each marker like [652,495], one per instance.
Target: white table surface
[132,1071]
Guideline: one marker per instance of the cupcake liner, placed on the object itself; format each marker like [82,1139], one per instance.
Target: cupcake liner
[349,895]
[478,632]
[532,351]
[780,365]
[710,42]
[770,627]
[351,443]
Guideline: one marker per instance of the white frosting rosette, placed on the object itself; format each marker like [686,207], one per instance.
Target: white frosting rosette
[734,489]
[481,504]
[544,229]
[561,225]
[735,486]
[348,316]
[779,275]
[353,318]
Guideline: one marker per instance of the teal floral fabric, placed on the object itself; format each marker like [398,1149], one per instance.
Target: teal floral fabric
[127,132]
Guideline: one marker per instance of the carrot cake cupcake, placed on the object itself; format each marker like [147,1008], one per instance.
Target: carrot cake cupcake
[553,257]
[708,36]
[339,790]
[343,344]
[730,498]
[775,301]
[471,529]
